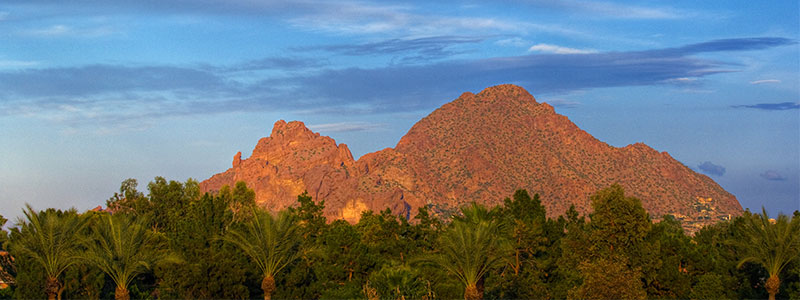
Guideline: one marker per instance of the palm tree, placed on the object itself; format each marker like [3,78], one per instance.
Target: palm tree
[51,239]
[270,242]
[471,247]
[771,243]
[123,248]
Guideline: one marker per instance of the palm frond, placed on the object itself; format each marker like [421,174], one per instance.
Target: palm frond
[269,241]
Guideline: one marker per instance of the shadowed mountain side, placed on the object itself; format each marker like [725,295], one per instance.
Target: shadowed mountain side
[476,148]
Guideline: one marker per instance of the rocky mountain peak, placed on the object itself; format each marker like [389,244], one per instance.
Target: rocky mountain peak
[479,147]
[506,92]
[291,131]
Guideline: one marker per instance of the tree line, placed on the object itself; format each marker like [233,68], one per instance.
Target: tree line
[176,242]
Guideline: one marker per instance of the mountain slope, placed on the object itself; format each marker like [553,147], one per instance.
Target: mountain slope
[476,148]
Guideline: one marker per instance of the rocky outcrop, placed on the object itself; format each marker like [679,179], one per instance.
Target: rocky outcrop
[479,147]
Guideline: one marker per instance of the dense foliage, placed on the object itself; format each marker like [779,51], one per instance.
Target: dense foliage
[175,242]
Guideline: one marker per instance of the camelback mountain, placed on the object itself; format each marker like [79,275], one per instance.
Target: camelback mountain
[477,148]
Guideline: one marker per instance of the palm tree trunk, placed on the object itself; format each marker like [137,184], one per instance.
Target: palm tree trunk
[268,286]
[122,293]
[772,286]
[471,293]
[51,286]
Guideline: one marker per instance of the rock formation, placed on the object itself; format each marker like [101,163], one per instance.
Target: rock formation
[476,148]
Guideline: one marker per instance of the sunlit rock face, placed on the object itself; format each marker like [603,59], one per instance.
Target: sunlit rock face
[477,148]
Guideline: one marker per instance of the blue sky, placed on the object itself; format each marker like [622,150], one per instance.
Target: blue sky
[93,92]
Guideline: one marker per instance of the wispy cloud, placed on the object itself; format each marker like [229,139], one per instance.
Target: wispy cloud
[772,175]
[771,106]
[563,103]
[116,94]
[547,48]
[543,73]
[630,11]
[739,44]
[763,81]
[410,50]
[607,9]
[61,30]
[711,168]
[513,42]
[273,63]
[362,18]
[17,64]
[99,79]
[346,126]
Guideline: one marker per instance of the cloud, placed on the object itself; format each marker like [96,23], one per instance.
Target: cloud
[772,175]
[771,106]
[273,63]
[614,10]
[711,169]
[417,49]
[101,94]
[15,64]
[98,79]
[563,103]
[763,81]
[547,48]
[365,19]
[514,42]
[738,44]
[68,31]
[346,127]
[417,86]
[338,17]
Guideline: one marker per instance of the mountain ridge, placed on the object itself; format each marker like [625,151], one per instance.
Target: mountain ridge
[478,147]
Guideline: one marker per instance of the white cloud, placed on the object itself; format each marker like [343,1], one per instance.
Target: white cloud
[514,42]
[16,64]
[54,30]
[563,103]
[763,81]
[68,31]
[547,48]
[632,12]
[616,10]
[367,18]
[346,126]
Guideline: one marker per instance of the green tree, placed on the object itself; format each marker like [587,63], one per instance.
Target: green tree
[669,258]
[709,286]
[608,279]
[526,225]
[129,199]
[773,244]
[123,248]
[619,224]
[397,282]
[50,239]
[302,280]
[270,242]
[614,241]
[471,247]
[3,233]
[208,266]
[242,198]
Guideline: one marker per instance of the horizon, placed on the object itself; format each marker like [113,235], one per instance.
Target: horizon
[95,92]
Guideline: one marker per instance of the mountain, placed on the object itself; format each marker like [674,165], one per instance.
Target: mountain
[477,148]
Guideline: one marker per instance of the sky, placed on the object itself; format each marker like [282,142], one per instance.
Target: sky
[93,92]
